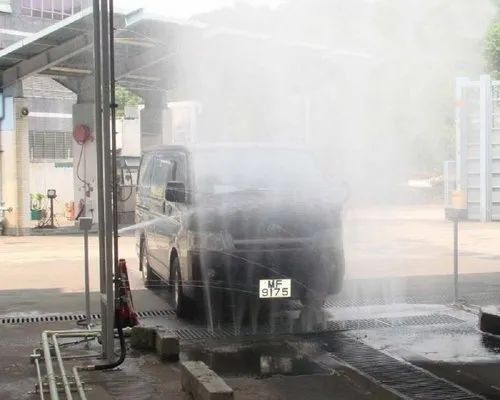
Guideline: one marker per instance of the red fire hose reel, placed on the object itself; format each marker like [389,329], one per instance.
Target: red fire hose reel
[81,133]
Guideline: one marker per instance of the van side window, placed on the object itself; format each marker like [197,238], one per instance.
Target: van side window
[180,168]
[162,173]
[144,177]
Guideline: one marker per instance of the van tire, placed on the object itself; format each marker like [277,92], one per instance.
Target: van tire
[314,294]
[180,303]
[149,277]
[337,281]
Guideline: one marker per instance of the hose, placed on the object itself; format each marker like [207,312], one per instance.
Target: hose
[123,348]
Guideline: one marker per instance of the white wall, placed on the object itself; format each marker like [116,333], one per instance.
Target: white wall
[45,176]
[128,138]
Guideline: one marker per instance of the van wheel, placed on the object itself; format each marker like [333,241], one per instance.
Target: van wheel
[179,301]
[338,274]
[315,293]
[148,276]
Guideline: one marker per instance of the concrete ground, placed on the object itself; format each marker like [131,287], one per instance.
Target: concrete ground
[398,265]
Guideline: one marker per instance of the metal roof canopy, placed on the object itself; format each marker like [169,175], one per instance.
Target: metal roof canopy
[144,44]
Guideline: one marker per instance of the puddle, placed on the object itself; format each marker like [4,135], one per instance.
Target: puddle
[260,360]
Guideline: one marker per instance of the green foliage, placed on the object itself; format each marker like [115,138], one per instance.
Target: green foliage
[492,49]
[36,200]
[125,97]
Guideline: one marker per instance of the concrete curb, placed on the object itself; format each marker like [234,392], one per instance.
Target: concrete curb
[489,320]
[143,338]
[167,346]
[153,339]
[203,383]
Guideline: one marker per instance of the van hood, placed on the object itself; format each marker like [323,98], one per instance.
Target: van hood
[257,214]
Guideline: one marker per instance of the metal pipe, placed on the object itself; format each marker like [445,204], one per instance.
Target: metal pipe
[79,385]
[74,333]
[2,116]
[108,209]
[39,376]
[87,277]
[95,355]
[100,178]
[54,395]
[455,261]
[67,388]
[113,142]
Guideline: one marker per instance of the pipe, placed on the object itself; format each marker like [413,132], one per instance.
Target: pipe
[39,376]
[100,179]
[2,116]
[123,348]
[78,382]
[107,175]
[54,395]
[67,388]
[74,333]
[113,143]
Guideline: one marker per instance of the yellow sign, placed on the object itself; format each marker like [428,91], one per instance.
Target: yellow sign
[458,200]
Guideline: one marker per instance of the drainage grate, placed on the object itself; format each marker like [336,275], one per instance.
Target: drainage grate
[423,320]
[7,320]
[282,327]
[407,380]
[355,324]
[17,320]
[159,313]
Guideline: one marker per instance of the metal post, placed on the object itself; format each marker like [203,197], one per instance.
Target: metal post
[113,142]
[52,213]
[455,261]
[85,225]
[100,179]
[108,181]
[461,134]
[485,117]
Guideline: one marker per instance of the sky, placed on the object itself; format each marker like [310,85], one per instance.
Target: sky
[184,9]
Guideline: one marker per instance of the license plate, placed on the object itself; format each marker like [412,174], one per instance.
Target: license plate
[275,288]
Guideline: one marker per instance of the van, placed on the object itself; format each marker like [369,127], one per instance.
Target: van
[224,220]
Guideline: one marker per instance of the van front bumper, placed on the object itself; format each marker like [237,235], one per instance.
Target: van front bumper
[241,271]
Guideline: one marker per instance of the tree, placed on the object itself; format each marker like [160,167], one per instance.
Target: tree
[125,97]
[492,49]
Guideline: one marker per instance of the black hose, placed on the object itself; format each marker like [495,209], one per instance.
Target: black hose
[123,347]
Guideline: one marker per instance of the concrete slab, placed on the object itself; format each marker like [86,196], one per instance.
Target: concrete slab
[203,383]
[167,346]
[143,338]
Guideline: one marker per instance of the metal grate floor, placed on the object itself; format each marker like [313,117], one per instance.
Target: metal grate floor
[404,379]
[26,319]
[196,333]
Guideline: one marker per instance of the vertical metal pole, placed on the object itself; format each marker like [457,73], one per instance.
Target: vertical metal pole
[485,119]
[461,134]
[113,141]
[52,213]
[87,277]
[108,181]
[455,261]
[100,180]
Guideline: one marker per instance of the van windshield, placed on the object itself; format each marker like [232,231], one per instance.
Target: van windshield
[222,171]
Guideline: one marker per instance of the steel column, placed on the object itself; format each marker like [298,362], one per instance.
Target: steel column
[485,120]
[104,220]
[461,135]
[108,180]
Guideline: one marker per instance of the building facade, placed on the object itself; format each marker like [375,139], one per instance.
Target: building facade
[42,158]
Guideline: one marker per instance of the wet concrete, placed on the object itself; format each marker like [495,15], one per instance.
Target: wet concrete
[405,317]
[255,359]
